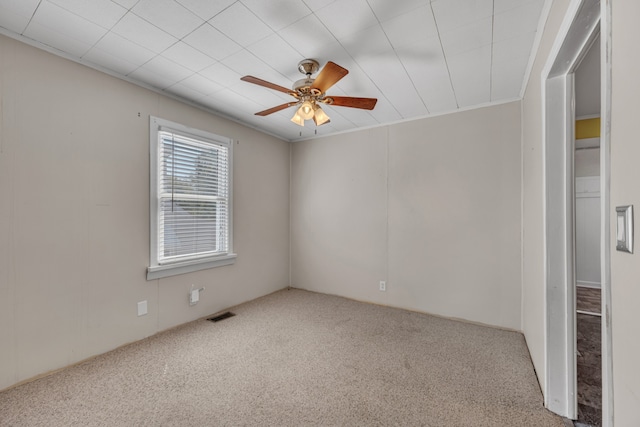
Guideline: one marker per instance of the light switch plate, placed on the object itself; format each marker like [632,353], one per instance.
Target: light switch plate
[624,228]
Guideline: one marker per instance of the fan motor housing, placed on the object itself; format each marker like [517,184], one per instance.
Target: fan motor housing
[303,85]
[308,66]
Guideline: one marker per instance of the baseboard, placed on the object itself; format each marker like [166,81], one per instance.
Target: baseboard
[588,284]
[416,310]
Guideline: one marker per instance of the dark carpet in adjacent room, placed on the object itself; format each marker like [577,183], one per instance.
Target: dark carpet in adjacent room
[589,357]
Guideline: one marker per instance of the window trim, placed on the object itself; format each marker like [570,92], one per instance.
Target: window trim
[156,270]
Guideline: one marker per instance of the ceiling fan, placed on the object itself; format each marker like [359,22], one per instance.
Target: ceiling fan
[311,92]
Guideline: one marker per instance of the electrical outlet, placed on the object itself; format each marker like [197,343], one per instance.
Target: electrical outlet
[194,296]
[142,308]
[383,285]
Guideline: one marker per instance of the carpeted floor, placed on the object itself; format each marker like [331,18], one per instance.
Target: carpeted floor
[297,358]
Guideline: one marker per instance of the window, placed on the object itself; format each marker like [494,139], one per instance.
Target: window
[190,200]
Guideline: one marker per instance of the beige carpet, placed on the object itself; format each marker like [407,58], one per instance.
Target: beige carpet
[297,358]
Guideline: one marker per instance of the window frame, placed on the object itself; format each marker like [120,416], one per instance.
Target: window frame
[157,270]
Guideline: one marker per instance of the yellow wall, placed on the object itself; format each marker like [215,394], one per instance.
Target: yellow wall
[588,128]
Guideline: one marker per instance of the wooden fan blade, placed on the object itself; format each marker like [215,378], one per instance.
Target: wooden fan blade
[348,101]
[276,109]
[264,83]
[330,75]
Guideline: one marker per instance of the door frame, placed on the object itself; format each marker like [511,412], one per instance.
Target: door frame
[584,20]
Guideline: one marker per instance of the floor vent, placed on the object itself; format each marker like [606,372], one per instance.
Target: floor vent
[222,316]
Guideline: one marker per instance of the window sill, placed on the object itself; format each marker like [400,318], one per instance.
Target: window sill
[160,271]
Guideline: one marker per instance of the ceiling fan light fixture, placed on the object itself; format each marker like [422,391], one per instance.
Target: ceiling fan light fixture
[310,92]
[297,119]
[306,110]
[319,116]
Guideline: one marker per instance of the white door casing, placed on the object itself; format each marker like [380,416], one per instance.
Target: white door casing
[578,31]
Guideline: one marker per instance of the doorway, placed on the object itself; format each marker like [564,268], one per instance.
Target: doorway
[587,238]
[584,21]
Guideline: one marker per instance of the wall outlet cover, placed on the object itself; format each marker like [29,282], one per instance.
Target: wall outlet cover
[194,296]
[142,308]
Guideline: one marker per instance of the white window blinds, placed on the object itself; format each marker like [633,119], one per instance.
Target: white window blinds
[193,197]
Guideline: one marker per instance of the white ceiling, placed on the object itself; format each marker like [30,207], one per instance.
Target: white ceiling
[418,57]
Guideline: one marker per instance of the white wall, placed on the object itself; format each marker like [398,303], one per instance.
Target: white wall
[431,206]
[625,189]
[587,83]
[74,215]
[587,162]
[533,284]
[625,152]
[587,231]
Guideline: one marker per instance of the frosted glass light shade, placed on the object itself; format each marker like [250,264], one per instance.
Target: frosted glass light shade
[319,116]
[297,119]
[306,110]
